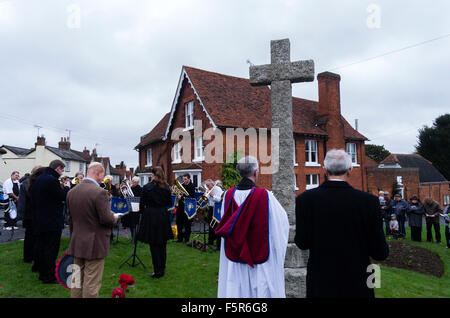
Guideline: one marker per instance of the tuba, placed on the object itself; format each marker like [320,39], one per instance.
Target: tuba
[178,189]
[125,189]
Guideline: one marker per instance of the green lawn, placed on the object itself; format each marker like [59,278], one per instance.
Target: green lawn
[401,283]
[189,273]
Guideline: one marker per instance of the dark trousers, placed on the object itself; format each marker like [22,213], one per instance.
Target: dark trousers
[437,232]
[211,234]
[183,225]
[158,252]
[386,224]
[416,233]
[447,236]
[401,218]
[47,254]
[28,243]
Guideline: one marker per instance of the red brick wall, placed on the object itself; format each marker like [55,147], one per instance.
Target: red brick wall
[384,178]
[436,191]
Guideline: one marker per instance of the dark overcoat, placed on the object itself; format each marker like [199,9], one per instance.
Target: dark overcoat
[155,227]
[342,228]
[415,214]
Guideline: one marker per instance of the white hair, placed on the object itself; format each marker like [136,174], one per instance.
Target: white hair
[136,179]
[246,166]
[337,162]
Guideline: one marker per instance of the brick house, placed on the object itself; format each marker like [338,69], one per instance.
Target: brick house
[221,102]
[413,175]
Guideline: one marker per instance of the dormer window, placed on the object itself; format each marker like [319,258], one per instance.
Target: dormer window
[189,111]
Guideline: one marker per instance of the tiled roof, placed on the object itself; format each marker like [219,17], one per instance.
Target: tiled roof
[233,102]
[156,133]
[19,151]
[427,172]
[66,154]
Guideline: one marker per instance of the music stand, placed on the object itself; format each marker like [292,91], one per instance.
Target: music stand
[136,229]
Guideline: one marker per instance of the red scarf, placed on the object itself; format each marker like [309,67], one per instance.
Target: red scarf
[245,228]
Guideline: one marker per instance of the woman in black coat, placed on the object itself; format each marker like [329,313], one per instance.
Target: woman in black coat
[415,213]
[155,227]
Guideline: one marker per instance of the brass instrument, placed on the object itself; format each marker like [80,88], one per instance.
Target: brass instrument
[178,189]
[125,189]
[75,181]
[203,204]
[107,181]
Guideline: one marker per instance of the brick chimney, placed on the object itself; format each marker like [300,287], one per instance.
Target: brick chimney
[64,144]
[330,109]
[40,141]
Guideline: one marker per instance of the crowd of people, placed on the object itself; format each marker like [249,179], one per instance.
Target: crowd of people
[251,257]
[397,211]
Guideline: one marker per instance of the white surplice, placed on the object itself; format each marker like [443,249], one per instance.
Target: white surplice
[266,280]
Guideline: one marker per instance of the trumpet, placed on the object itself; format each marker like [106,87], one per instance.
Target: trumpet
[203,203]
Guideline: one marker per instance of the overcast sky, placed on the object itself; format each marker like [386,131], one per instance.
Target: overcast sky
[108,69]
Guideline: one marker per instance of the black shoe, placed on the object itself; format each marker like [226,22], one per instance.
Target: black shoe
[154,275]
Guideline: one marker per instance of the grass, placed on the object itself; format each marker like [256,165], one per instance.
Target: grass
[401,283]
[189,273]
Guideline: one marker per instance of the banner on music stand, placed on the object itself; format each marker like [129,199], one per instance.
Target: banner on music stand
[119,206]
[217,212]
[190,207]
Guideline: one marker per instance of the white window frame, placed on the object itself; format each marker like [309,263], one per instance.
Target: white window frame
[295,158]
[446,199]
[81,167]
[400,180]
[312,185]
[308,153]
[149,162]
[176,155]
[67,168]
[189,115]
[199,154]
[352,152]
[295,183]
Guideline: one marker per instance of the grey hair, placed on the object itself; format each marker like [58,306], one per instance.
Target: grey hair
[246,166]
[337,162]
[210,181]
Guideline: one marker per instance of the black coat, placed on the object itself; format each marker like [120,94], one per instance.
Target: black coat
[342,228]
[155,226]
[47,197]
[415,213]
[181,215]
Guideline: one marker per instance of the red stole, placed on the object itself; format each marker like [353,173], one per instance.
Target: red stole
[245,228]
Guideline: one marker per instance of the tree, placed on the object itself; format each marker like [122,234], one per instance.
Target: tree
[434,144]
[377,153]
[230,176]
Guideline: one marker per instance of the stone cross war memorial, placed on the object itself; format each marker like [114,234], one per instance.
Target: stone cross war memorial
[280,75]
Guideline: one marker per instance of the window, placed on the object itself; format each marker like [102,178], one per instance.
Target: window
[400,180]
[189,111]
[311,152]
[446,199]
[295,183]
[149,157]
[312,181]
[196,176]
[198,145]
[67,169]
[294,156]
[176,156]
[351,150]
[81,167]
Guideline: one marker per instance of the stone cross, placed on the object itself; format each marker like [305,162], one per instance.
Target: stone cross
[279,75]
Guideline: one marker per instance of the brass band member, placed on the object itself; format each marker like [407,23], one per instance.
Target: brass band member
[183,223]
[215,195]
[155,227]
